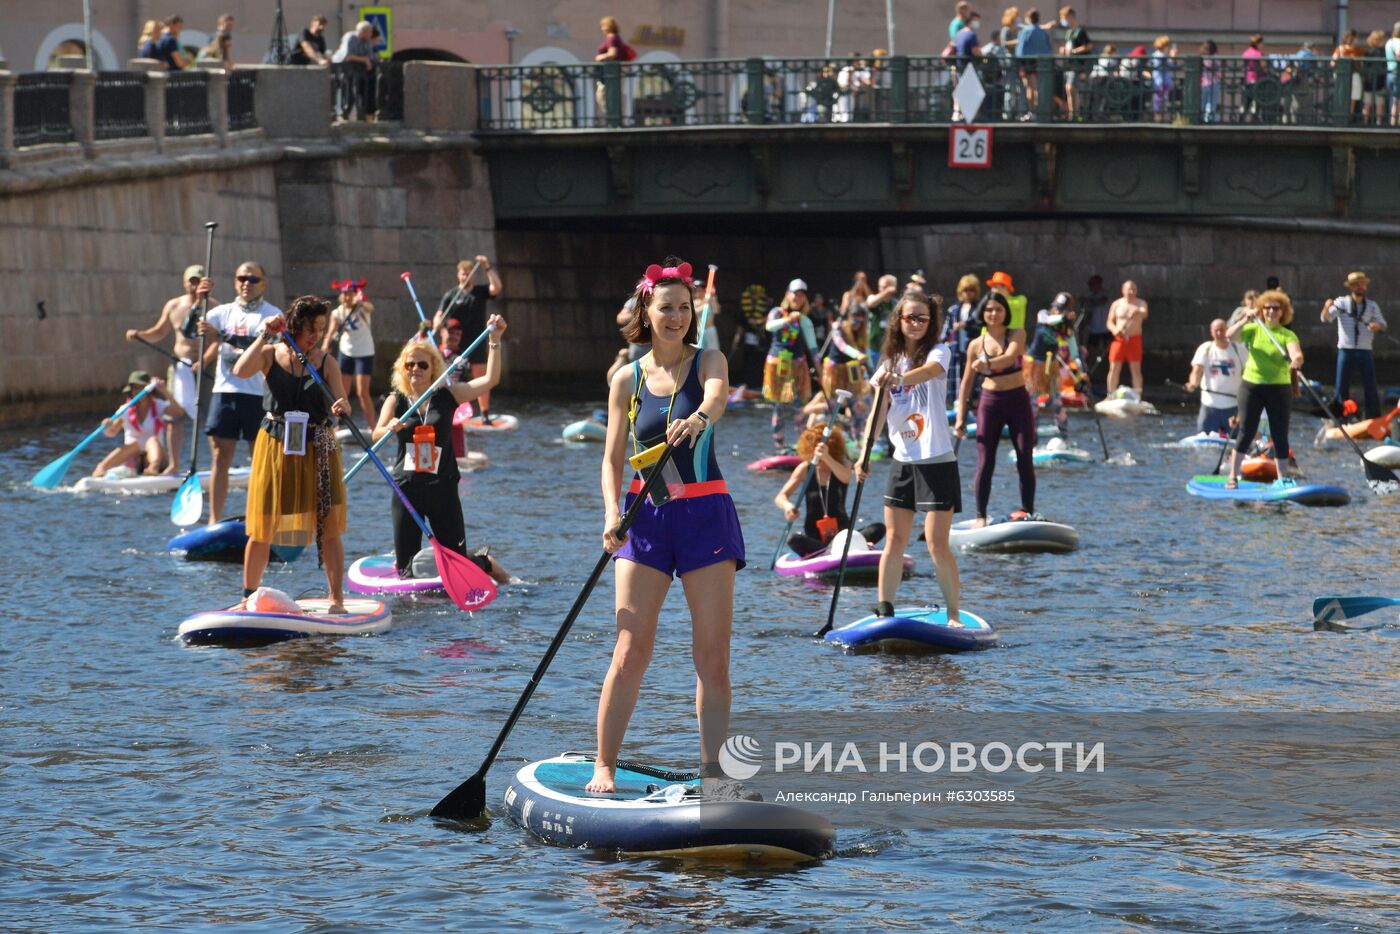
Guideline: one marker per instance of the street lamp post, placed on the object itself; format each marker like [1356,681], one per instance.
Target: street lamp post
[511,35]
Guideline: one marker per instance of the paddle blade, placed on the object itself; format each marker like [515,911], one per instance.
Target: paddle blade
[1382,480]
[465,802]
[1331,609]
[52,475]
[469,586]
[188,504]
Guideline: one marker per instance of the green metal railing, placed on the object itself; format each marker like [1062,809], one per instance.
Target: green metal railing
[920,89]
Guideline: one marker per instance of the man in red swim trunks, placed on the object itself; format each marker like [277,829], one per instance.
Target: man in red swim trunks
[1125,318]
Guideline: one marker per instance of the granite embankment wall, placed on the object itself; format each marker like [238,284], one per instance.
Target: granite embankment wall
[1189,271]
[93,238]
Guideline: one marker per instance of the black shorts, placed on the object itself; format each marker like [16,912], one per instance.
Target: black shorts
[356,366]
[925,487]
[235,415]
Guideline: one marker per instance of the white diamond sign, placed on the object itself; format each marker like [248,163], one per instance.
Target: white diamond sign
[969,94]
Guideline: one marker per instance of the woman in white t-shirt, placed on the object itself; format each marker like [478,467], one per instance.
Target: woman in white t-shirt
[914,370]
[350,320]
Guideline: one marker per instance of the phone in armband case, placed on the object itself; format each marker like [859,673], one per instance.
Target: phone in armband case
[670,486]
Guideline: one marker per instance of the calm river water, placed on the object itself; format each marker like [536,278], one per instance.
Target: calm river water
[148,785]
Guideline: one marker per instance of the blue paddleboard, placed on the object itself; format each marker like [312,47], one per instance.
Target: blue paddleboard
[223,541]
[1210,486]
[916,628]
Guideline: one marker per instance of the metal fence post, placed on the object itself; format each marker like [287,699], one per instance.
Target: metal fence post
[754,91]
[1191,92]
[7,118]
[612,93]
[82,113]
[899,89]
[1341,91]
[1045,89]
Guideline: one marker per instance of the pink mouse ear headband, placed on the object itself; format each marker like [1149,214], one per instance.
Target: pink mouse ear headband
[655,274]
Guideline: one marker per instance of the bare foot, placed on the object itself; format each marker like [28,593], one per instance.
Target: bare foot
[171,469]
[337,608]
[604,781]
[980,522]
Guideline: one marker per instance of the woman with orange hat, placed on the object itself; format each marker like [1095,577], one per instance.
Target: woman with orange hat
[350,321]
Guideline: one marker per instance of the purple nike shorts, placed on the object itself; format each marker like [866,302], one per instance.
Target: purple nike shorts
[684,535]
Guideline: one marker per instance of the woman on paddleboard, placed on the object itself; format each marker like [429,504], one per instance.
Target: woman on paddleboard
[295,492]
[142,429]
[914,368]
[350,332]
[674,394]
[994,357]
[425,467]
[1267,384]
[825,499]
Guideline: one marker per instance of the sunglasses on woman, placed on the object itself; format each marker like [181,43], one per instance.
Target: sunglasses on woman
[417,365]
[917,319]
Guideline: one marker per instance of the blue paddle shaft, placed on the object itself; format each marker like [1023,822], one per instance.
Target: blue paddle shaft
[438,383]
[61,464]
[416,304]
[359,437]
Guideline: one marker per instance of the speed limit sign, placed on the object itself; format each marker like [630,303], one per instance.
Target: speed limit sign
[970,147]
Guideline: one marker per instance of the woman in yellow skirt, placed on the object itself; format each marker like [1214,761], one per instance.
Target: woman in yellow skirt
[793,350]
[295,493]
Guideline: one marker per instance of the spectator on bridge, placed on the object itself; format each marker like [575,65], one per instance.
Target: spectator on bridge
[218,50]
[965,44]
[1013,92]
[1210,82]
[223,26]
[853,82]
[167,50]
[1077,45]
[150,35]
[1359,320]
[311,47]
[1373,78]
[1352,48]
[611,49]
[1032,42]
[820,96]
[961,13]
[1163,77]
[1392,78]
[355,84]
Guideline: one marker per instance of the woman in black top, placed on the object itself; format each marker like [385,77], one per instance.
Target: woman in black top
[430,482]
[826,494]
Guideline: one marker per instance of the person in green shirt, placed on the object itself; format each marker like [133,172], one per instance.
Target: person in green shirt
[1274,356]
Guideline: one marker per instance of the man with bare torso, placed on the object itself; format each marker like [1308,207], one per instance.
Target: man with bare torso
[181,377]
[1125,318]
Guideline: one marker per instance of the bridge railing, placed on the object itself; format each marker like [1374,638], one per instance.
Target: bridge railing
[921,89]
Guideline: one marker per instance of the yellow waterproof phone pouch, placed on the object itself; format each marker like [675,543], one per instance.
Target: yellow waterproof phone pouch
[670,486]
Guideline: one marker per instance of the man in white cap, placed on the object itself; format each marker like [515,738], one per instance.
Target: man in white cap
[175,318]
[1358,321]
[355,85]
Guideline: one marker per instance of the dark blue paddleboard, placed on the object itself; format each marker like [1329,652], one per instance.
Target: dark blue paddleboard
[916,628]
[1212,486]
[223,541]
[656,812]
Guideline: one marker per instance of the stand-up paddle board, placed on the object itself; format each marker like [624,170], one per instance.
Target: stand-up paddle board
[478,425]
[223,541]
[585,430]
[1054,452]
[915,629]
[1204,439]
[775,462]
[1007,535]
[658,812]
[132,484]
[376,574]
[862,566]
[240,628]
[1304,494]
[1386,455]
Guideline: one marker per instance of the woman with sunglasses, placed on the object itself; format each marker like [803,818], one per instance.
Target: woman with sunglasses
[994,357]
[913,367]
[425,467]
[295,492]
[1267,383]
